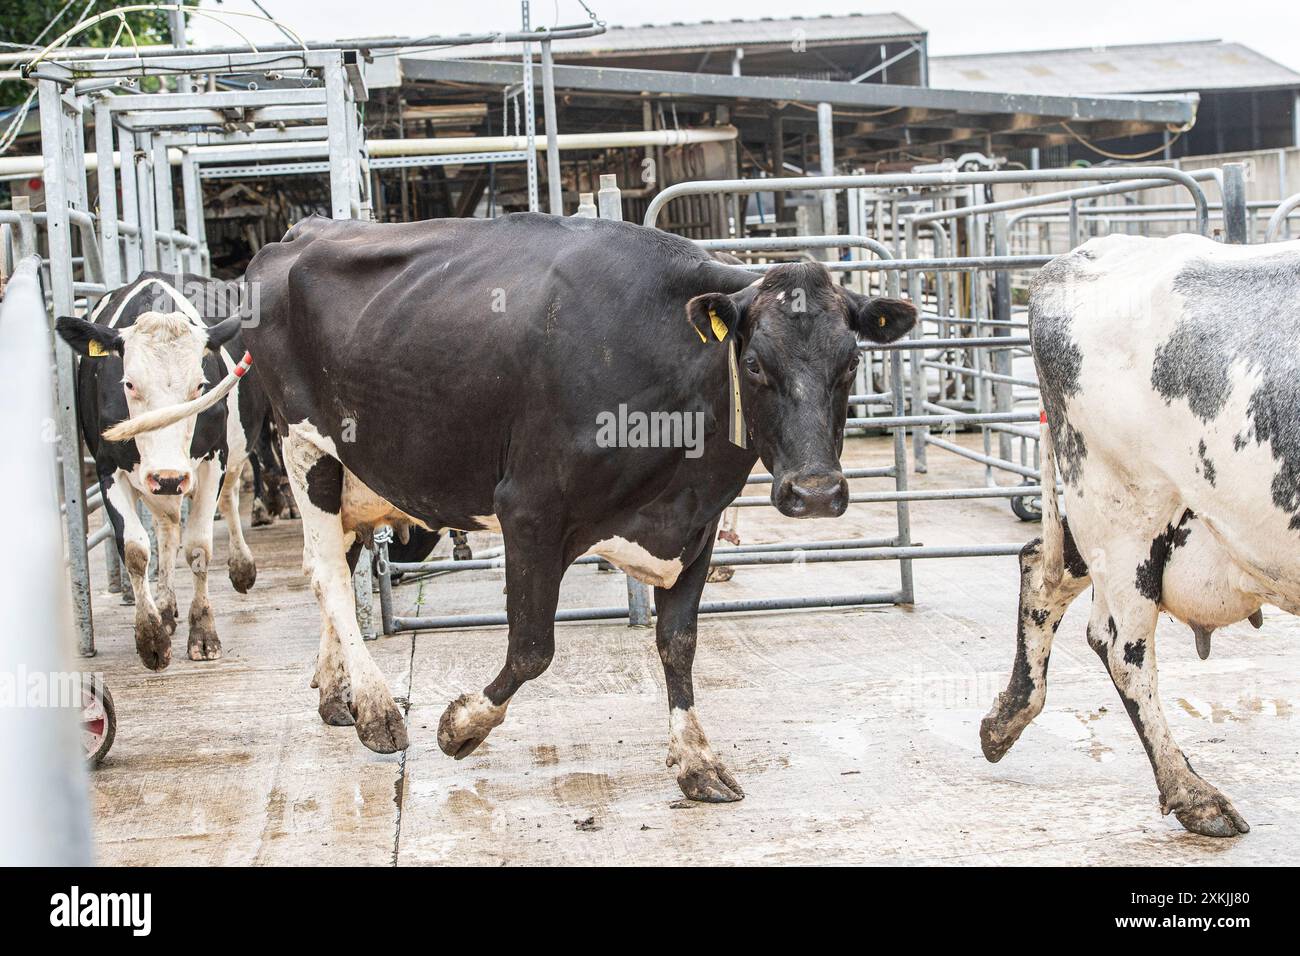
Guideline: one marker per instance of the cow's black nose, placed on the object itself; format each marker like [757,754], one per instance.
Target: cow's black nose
[167,482]
[823,495]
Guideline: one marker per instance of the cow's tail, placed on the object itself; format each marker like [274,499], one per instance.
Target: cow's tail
[162,417]
[1053,533]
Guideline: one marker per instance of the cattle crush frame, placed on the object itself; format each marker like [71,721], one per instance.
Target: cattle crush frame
[138,138]
[945,346]
[295,128]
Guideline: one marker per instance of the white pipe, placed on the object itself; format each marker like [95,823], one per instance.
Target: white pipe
[13,167]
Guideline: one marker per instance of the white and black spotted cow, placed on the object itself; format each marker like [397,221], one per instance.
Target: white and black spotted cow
[501,344]
[1170,373]
[147,345]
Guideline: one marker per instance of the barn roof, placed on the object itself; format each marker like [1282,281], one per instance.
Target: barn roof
[1202,65]
[767,31]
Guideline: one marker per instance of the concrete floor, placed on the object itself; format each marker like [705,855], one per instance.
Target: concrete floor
[854,732]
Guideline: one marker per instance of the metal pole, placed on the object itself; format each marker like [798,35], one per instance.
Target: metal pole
[340,158]
[826,146]
[363,591]
[1002,398]
[53,127]
[130,204]
[530,120]
[554,182]
[1235,228]
[110,252]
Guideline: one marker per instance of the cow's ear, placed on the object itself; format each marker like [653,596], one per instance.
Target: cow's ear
[223,332]
[713,316]
[88,338]
[879,319]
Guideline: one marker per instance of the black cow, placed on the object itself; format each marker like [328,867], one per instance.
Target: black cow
[466,374]
[148,344]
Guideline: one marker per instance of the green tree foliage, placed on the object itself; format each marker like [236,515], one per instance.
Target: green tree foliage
[21,21]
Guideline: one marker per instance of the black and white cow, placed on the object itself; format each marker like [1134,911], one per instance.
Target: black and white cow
[1170,374]
[454,374]
[147,345]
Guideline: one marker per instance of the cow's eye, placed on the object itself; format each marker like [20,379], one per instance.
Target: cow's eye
[752,365]
[130,387]
[853,365]
[197,390]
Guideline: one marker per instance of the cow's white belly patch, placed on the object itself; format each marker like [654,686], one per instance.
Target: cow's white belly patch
[485,523]
[638,562]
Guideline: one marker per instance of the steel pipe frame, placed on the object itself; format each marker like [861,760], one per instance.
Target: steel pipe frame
[1161,175]
[1284,210]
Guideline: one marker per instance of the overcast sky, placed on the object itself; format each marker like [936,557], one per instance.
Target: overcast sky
[955,26]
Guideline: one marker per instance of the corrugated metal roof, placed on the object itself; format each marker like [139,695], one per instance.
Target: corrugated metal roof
[729,33]
[1139,68]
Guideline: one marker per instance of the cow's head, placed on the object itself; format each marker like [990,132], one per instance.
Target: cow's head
[796,334]
[162,364]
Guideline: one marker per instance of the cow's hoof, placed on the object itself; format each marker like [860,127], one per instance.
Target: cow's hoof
[996,737]
[709,783]
[379,723]
[204,645]
[1202,809]
[167,613]
[153,642]
[466,723]
[243,572]
[335,708]
[261,516]
[719,573]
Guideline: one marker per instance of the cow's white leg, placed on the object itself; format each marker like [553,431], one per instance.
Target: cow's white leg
[166,513]
[1041,610]
[1122,632]
[242,568]
[153,642]
[534,568]
[203,645]
[700,774]
[331,677]
[317,480]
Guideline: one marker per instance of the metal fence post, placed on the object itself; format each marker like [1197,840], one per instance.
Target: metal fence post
[610,200]
[363,589]
[530,109]
[918,388]
[110,251]
[340,158]
[1235,223]
[1002,397]
[383,536]
[826,147]
[554,182]
[57,232]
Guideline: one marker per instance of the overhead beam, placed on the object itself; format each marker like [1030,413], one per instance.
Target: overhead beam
[715,86]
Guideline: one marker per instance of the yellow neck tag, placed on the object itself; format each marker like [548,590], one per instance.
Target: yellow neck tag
[719,327]
[95,349]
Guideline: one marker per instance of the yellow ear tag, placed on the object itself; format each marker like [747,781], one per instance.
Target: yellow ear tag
[95,349]
[719,327]
[698,332]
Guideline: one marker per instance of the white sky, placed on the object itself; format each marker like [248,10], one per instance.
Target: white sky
[955,26]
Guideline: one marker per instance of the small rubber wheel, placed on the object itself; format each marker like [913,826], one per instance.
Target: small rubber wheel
[1028,507]
[98,719]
